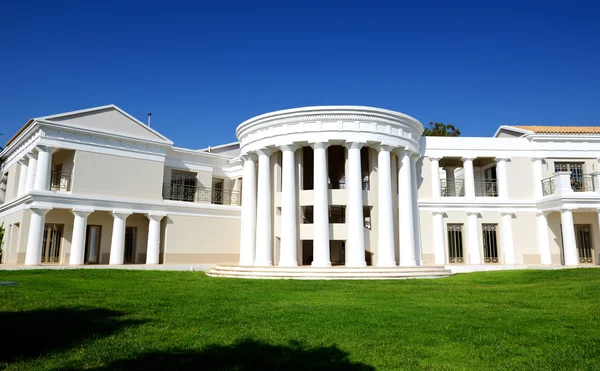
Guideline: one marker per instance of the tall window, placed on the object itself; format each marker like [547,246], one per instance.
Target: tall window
[183,186]
[455,243]
[490,243]
[51,244]
[217,195]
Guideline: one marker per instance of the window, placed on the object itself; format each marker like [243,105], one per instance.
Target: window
[52,241]
[490,243]
[217,193]
[337,214]
[455,243]
[307,214]
[183,186]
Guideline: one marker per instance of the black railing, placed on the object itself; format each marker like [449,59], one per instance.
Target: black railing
[486,188]
[582,183]
[60,181]
[337,214]
[178,192]
[342,185]
[452,188]
[548,186]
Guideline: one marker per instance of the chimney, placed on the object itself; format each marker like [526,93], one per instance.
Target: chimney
[149,116]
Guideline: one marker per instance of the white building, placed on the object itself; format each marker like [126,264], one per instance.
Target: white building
[314,186]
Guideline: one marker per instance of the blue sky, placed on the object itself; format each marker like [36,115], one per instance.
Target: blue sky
[202,68]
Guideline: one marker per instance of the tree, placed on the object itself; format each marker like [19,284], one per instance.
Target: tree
[438,129]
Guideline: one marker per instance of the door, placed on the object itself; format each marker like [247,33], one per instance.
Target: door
[92,244]
[490,243]
[583,240]
[130,233]
[51,244]
[183,186]
[217,191]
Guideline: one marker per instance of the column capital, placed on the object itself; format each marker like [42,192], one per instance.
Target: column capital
[248,156]
[354,145]
[292,147]
[32,155]
[84,213]
[507,213]
[23,161]
[502,158]
[121,214]
[39,210]
[468,158]
[155,217]
[442,213]
[384,148]
[44,148]
[435,158]
[471,213]
[534,159]
[540,213]
[565,209]
[319,145]
[265,152]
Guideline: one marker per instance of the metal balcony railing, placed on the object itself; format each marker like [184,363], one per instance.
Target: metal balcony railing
[342,185]
[452,188]
[178,192]
[548,186]
[486,188]
[60,181]
[579,183]
[582,183]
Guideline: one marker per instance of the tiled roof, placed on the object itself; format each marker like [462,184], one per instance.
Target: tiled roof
[561,129]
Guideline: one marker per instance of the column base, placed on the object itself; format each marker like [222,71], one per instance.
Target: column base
[288,264]
[321,264]
[264,263]
[387,264]
[408,264]
[246,263]
[356,264]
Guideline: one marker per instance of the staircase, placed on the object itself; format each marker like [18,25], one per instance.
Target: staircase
[331,273]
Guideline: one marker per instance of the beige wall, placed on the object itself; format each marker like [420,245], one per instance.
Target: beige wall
[198,239]
[520,178]
[12,182]
[554,225]
[14,242]
[104,175]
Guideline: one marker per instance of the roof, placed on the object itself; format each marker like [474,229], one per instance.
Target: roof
[560,129]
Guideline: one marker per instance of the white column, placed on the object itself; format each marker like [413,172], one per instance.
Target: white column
[469,177]
[568,237]
[543,240]
[248,228]
[596,181]
[153,250]
[438,238]
[415,208]
[33,254]
[537,177]
[502,177]
[386,249]
[289,209]
[406,214]
[31,168]
[264,237]
[473,240]
[22,176]
[508,242]
[355,246]
[450,181]
[435,178]
[42,171]
[117,245]
[79,234]
[321,255]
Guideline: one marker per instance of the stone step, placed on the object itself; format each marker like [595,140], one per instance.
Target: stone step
[342,273]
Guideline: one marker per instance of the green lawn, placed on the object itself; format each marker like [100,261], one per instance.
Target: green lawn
[111,319]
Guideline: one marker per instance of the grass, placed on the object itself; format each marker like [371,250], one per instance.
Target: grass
[113,319]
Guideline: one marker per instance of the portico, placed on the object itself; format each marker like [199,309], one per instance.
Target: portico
[300,191]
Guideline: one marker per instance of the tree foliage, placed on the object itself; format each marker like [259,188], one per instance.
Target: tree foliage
[438,129]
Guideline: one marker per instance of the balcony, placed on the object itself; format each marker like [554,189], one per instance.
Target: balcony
[486,188]
[60,181]
[178,192]
[452,188]
[578,183]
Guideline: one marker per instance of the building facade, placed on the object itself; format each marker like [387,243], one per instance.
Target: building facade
[315,186]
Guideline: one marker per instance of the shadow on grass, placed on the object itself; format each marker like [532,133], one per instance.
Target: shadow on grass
[243,355]
[35,333]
